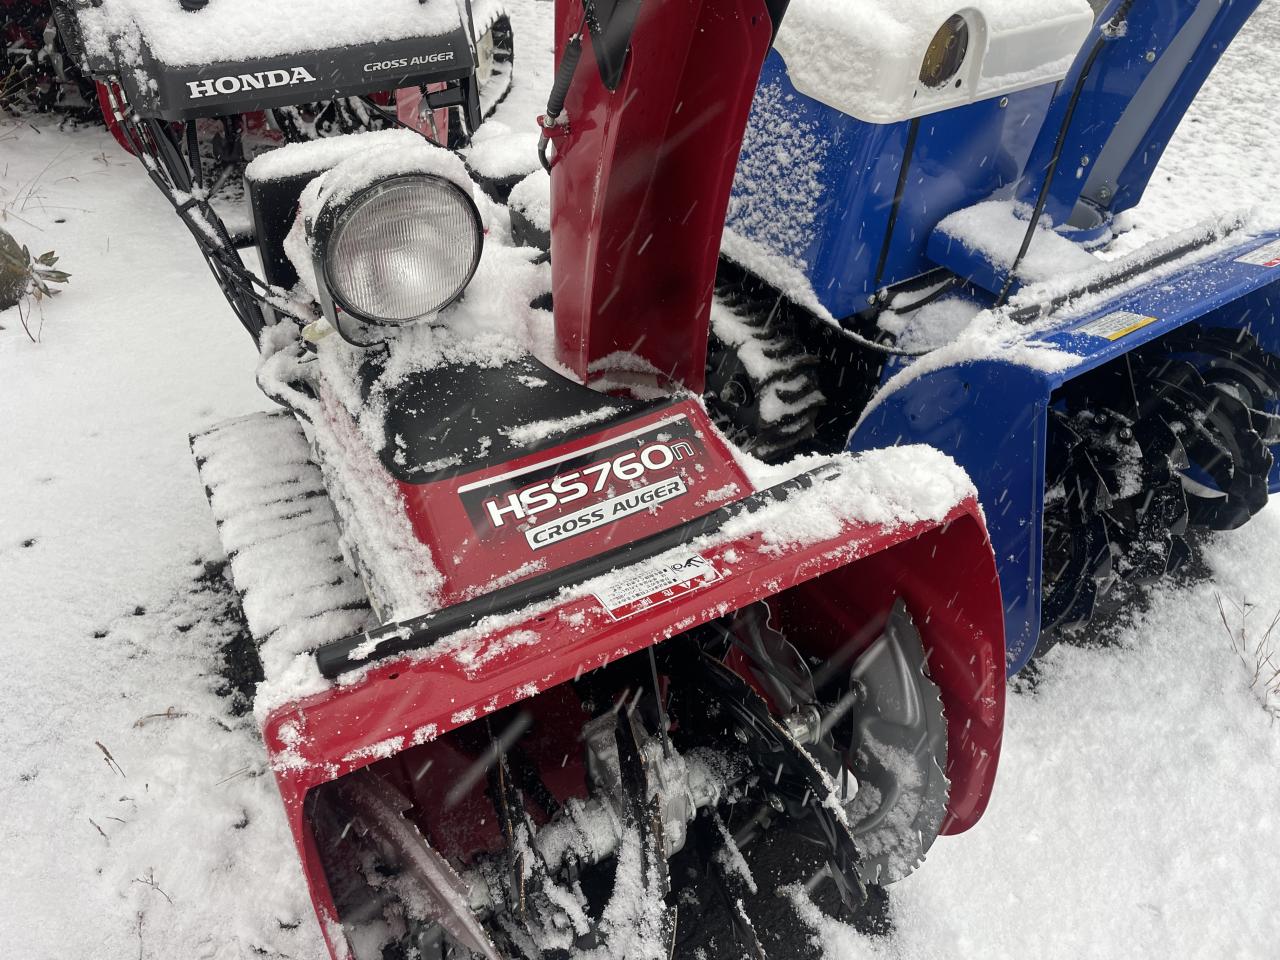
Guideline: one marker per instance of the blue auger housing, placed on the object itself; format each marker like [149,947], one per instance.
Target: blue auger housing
[991,413]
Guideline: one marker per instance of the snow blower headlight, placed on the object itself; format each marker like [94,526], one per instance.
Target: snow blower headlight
[400,250]
[945,55]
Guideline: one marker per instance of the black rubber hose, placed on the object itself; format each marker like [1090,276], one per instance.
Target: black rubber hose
[564,76]
[559,91]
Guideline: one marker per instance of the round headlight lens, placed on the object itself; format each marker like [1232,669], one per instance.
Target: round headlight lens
[404,249]
[946,53]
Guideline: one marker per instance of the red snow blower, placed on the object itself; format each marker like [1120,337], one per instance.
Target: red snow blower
[551,669]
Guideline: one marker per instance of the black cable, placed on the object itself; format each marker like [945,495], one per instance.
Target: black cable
[152,144]
[945,287]
[193,153]
[913,132]
[1113,28]
[876,346]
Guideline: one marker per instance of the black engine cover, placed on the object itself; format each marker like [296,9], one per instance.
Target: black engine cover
[171,92]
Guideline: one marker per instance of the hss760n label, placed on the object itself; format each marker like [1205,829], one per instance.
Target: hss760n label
[604,484]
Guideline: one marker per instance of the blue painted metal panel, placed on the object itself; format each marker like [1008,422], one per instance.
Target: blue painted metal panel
[974,266]
[990,414]
[961,157]
[816,187]
[1132,91]
[1207,288]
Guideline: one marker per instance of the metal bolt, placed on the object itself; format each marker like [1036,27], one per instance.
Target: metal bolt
[1104,194]
[805,724]
[1085,160]
[1004,102]
[1151,56]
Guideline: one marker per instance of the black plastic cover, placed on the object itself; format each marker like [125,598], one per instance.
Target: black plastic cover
[216,89]
[455,418]
[611,23]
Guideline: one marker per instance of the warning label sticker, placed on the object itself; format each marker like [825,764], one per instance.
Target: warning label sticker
[1268,255]
[654,584]
[1115,325]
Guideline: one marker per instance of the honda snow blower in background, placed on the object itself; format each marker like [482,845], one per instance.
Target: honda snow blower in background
[221,82]
[550,668]
[917,252]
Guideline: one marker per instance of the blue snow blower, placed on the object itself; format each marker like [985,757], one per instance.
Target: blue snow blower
[919,250]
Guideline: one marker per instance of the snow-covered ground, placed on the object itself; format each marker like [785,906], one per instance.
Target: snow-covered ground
[1138,809]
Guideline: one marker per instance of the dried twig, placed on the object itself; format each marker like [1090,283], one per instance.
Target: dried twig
[1259,657]
[150,881]
[173,713]
[100,830]
[231,776]
[111,761]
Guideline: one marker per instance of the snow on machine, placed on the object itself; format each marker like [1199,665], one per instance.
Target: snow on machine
[549,667]
[917,252]
[220,82]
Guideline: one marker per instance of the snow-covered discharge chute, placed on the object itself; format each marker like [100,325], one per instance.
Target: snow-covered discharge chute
[550,667]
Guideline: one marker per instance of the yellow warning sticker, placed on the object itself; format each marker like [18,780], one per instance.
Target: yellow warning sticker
[1116,325]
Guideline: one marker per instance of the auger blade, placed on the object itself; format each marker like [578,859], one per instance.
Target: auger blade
[643,816]
[802,784]
[900,756]
[1150,522]
[418,874]
[733,883]
[1218,434]
[1085,574]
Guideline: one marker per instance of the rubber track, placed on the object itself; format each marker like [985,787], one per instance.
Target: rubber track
[280,533]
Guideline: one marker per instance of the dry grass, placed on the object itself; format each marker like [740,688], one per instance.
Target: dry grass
[1259,651]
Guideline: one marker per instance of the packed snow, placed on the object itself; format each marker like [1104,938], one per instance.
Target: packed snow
[1135,813]
[532,197]
[311,156]
[864,58]
[995,230]
[238,30]
[778,191]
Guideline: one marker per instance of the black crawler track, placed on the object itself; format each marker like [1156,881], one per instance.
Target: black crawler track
[770,407]
[241,668]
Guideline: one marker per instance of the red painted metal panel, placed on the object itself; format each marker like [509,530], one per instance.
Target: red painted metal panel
[546,510]
[641,183]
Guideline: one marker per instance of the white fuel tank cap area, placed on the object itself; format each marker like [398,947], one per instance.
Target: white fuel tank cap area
[884,61]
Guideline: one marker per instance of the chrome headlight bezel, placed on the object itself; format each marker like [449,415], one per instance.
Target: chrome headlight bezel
[336,217]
